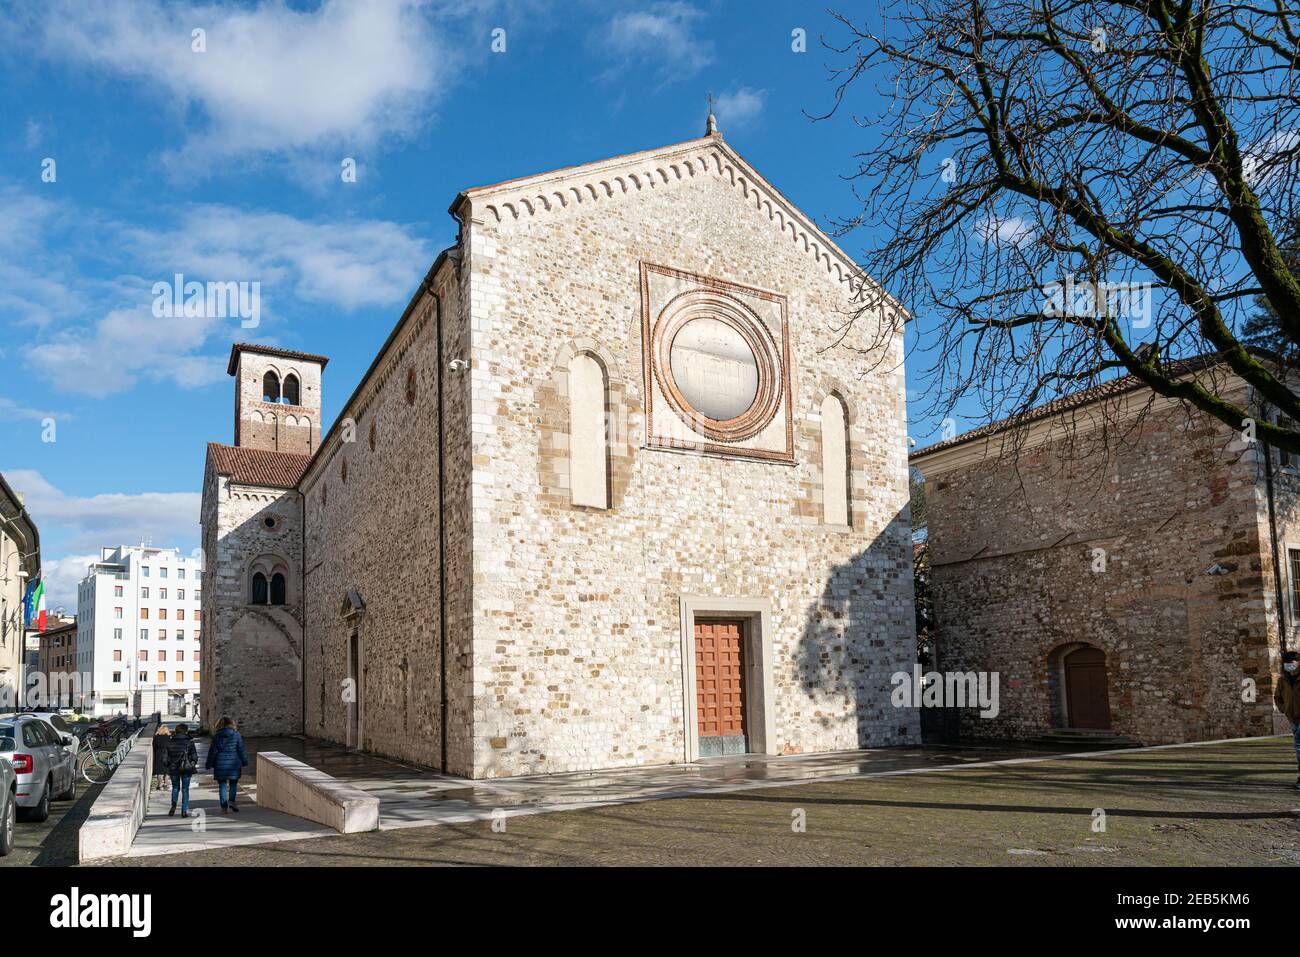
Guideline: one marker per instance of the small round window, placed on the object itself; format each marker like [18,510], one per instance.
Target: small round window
[714,368]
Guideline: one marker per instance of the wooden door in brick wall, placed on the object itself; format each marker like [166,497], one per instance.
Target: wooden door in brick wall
[1085,688]
[720,687]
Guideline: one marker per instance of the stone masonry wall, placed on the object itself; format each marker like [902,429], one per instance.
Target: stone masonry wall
[277,426]
[576,642]
[1286,508]
[372,527]
[1012,548]
[251,654]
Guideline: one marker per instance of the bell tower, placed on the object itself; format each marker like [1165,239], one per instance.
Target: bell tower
[277,398]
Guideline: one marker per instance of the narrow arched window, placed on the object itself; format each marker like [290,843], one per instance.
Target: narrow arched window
[291,395]
[588,441]
[277,589]
[835,462]
[259,589]
[270,387]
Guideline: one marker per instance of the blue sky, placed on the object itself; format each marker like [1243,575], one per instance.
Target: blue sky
[225,165]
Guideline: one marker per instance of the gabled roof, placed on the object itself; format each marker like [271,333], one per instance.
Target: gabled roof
[239,347]
[257,466]
[1075,400]
[602,180]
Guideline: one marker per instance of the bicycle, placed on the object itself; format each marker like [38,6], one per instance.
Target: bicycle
[97,765]
[106,736]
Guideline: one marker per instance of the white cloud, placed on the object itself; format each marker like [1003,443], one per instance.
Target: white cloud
[273,79]
[85,523]
[100,335]
[662,34]
[130,343]
[1011,231]
[346,263]
[62,576]
[739,108]
[11,411]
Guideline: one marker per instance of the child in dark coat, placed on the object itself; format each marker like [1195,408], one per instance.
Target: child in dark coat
[227,759]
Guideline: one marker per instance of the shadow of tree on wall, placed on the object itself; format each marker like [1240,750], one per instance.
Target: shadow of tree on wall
[857,633]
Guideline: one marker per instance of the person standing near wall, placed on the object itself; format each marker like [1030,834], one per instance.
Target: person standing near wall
[160,755]
[227,759]
[1286,695]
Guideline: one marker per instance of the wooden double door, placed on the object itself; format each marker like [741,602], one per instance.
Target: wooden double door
[1085,688]
[720,698]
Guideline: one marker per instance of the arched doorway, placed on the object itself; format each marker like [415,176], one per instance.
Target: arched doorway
[1087,700]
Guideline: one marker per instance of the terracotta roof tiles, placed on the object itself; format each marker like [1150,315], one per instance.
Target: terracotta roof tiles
[258,466]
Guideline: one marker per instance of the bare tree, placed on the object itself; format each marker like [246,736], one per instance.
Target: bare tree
[1067,188]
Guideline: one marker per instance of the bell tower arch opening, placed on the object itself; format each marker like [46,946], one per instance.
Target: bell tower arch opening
[266,380]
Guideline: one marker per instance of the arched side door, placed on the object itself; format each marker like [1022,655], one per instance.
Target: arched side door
[1085,688]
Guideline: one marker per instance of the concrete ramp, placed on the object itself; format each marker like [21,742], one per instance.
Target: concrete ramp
[115,817]
[288,785]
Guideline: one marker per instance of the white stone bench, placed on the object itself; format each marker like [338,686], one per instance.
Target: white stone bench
[285,784]
[117,813]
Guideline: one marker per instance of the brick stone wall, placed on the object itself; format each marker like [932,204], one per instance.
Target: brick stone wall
[1286,510]
[564,647]
[1166,498]
[576,641]
[251,654]
[372,527]
[276,425]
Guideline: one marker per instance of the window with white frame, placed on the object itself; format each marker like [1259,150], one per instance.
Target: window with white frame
[1293,566]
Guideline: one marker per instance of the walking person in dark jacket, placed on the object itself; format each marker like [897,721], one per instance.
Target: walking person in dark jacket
[1286,695]
[182,762]
[227,759]
[160,754]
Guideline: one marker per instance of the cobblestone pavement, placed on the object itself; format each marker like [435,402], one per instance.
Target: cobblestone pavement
[1221,803]
[418,797]
[53,842]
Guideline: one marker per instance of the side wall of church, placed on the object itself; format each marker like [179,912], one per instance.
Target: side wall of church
[577,645]
[251,654]
[372,513]
[1109,545]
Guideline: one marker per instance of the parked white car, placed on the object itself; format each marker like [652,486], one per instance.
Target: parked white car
[39,756]
[61,725]
[8,799]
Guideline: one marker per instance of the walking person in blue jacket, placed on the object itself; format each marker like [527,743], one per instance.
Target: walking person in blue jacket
[227,759]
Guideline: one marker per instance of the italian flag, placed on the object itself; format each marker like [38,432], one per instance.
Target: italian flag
[36,606]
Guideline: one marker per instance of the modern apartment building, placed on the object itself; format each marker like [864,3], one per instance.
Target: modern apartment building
[138,632]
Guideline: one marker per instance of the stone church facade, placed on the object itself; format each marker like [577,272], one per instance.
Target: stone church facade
[613,493]
[1124,564]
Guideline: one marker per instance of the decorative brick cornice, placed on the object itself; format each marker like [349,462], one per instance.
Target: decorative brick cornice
[662,169]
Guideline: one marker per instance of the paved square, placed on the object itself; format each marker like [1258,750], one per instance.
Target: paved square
[1218,803]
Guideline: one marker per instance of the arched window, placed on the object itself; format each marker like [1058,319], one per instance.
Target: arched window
[835,461]
[291,395]
[270,387]
[258,596]
[277,589]
[588,441]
